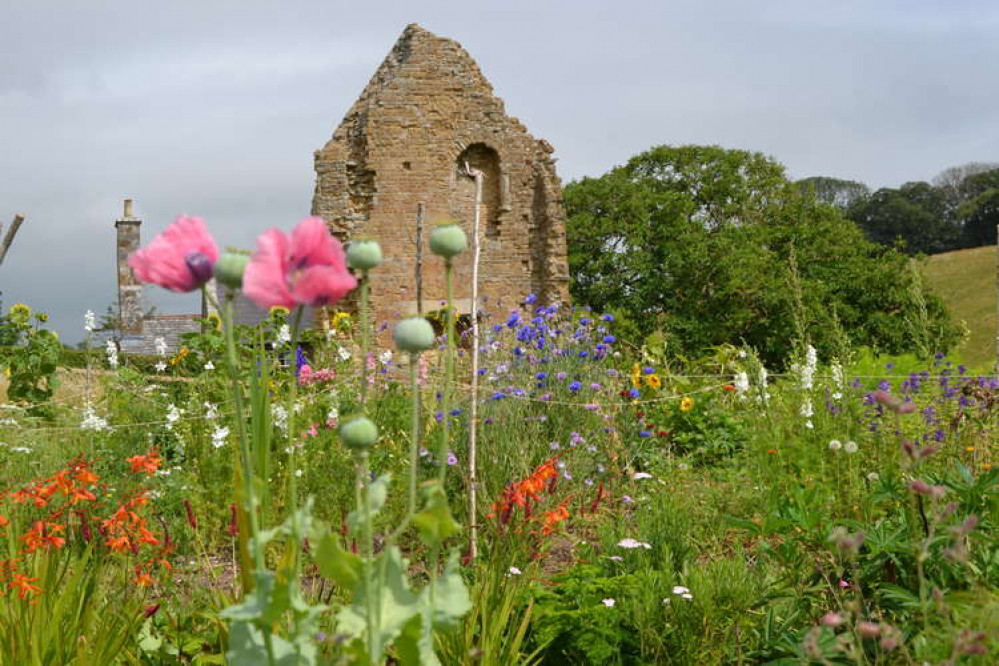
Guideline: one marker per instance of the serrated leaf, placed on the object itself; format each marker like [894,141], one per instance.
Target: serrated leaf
[435,523]
[336,563]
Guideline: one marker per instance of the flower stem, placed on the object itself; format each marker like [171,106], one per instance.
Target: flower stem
[365,336]
[449,353]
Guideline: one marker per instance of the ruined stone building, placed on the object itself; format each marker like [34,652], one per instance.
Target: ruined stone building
[426,113]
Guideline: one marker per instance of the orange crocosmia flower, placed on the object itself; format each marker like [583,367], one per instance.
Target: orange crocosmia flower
[43,534]
[120,544]
[81,494]
[729,387]
[23,585]
[3,521]
[148,463]
[144,579]
[86,477]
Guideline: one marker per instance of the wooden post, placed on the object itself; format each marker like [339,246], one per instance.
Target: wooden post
[473,412]
[9,238]
[420,211]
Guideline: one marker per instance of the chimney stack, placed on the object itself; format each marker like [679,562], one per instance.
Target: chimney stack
[129,289]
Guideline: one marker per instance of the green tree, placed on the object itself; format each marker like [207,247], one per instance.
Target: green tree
[834,191]
[696,242]
[916,214]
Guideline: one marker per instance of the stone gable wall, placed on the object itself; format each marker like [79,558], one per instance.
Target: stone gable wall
[426,110]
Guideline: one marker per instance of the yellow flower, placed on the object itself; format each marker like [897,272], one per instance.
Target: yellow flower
[636,376]
[687,404]
[278,311]
[969,449]
[184,351]
[340,321]
[653,381]
[41,317]
[214,320]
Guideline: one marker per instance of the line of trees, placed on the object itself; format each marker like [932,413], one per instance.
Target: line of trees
[958,209]
[705,246]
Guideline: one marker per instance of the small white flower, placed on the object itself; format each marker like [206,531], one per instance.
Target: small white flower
[219,437]
[873,476]
[91,421]
[850,447]
[835,445]
[615,558]
[641,475]
[687,595]
[680,589]
[209,366]
[111,349]
[172,416]
[608,602]
[385,357]
[280,417]
[160,367]
[298,473]
[161,346]
[284,334]
[333,414]
[89,321]
[633,543]
[211,411]
[343,354]
[20,449]
[514,571]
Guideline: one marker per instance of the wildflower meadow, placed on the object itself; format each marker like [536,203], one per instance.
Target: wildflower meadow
[533,487]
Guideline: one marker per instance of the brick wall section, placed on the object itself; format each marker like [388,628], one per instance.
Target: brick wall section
[426,110]
[168,327]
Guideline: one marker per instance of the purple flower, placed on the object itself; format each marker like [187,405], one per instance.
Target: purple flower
[644,433]
[609,339]
[452,459]
[531,298]
[561,376]
[575,386]
[607,317]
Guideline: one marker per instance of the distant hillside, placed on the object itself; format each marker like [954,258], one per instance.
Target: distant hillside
[966,280]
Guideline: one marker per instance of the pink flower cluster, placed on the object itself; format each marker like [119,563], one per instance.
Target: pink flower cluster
[306,375]
[307,267]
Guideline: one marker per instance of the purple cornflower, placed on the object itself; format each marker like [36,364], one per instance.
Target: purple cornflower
[561,376]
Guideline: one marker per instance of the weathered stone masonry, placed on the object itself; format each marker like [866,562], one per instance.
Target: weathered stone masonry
[426,112]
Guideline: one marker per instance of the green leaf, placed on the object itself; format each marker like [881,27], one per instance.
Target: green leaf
[148,641]
[397,602]
[435,523]
[337,564]
[377,494]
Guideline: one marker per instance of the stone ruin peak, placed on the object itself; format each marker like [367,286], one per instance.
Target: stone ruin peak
[426,113]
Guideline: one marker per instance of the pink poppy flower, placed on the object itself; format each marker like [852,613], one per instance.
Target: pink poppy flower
[181,258]
[307,268]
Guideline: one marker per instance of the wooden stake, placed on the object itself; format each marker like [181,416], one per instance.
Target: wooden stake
[420,211]
[9,238]
[473,480]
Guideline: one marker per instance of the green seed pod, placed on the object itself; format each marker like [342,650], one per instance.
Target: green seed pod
[359,433]
[414,334]
[230,267]
[448,240]
[364,254]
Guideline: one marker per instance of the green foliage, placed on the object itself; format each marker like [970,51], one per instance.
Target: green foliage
[32,360]
[714,246]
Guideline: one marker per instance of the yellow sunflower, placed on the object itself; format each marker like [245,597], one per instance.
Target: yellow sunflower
[653,381]
[687,404]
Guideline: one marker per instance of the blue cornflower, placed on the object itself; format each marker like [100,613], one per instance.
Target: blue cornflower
[634,393]
[531,298]
[607,317]
[649,370]
[541,375]
[644,433]
[609,339]
[575,386]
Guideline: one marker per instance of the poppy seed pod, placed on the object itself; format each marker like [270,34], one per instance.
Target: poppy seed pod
[358,433]
[230,267]
[364,254]
[414,334]
[448,240]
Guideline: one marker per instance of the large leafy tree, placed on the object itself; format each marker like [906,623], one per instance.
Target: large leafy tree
[712,246]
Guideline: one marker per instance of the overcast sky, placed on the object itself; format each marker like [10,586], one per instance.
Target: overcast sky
[214,108]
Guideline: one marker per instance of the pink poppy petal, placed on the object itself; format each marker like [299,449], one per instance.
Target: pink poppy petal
[313,245]
[265,281]
[322,285]
[163,262]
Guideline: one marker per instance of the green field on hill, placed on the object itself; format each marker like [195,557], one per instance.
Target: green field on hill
[966,280]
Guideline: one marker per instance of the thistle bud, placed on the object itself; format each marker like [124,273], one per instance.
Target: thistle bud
[359,433]
[364,254]
[414,334]
[230,267]
[448,240]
